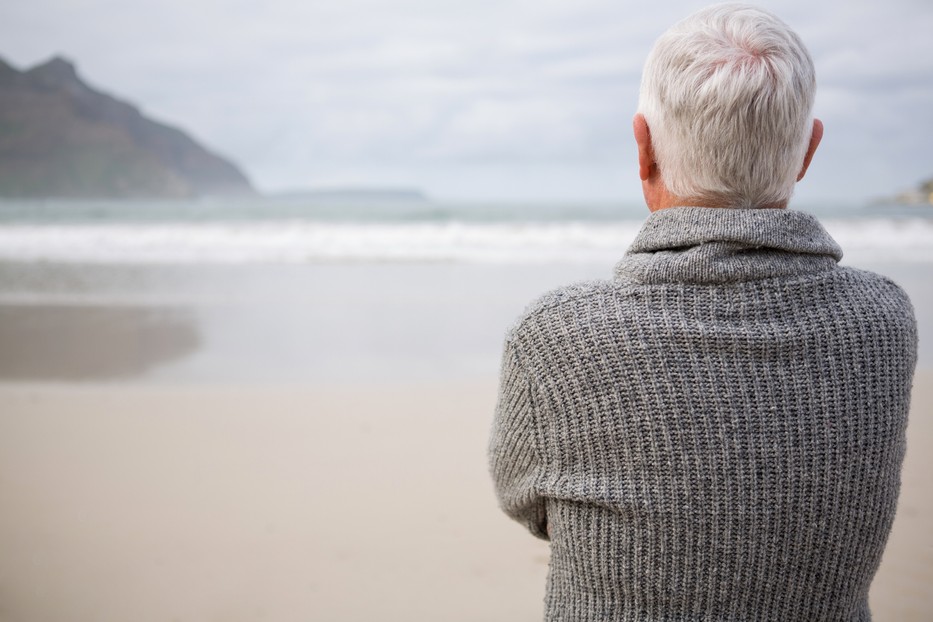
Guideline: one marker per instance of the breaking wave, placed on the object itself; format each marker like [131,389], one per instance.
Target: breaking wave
[303,241]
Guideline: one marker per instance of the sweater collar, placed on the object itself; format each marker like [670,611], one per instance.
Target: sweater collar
[721,245]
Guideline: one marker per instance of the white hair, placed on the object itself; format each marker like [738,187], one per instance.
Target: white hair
[727,95]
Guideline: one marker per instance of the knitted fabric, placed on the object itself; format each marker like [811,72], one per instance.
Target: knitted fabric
[714,434]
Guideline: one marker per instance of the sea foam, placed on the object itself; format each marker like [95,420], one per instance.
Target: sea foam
[301,241]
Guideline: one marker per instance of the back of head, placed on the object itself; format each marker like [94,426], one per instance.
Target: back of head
[728,96]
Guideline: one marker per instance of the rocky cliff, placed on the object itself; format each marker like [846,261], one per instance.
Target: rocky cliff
[61,138]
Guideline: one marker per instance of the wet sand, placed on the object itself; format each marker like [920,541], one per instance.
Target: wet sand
[91,342]
[354,502]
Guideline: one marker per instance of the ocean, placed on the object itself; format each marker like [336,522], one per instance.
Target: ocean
[302,291]
[295,231]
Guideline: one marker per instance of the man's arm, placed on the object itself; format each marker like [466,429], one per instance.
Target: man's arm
[515,459]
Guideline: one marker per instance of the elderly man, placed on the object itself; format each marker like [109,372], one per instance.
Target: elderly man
[717,432]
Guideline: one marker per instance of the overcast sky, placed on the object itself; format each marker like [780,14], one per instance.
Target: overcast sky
[469,99]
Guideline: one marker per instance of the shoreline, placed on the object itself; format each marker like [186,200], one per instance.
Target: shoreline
[300,324]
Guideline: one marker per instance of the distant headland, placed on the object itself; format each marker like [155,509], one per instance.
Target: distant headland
[61,138]
[921,195]
[351,194]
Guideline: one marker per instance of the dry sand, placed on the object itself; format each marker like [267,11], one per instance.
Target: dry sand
[357,503]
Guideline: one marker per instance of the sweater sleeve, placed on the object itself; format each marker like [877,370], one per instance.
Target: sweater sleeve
[515,459]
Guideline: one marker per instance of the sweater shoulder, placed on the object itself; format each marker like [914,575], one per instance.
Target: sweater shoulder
[884,302]
[863,288]
[878,290]
[553,301]
[870,278]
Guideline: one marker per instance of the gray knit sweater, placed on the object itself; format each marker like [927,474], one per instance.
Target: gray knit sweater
[716,433]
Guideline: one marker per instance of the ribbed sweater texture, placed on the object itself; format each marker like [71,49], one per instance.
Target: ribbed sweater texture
[714,434]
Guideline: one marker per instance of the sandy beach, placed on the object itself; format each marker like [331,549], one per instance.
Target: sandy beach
[354,503]
[331,503]
[203,443]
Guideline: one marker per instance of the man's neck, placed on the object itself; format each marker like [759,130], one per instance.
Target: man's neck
[658,199]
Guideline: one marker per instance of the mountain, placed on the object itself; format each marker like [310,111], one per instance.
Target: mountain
[61,138]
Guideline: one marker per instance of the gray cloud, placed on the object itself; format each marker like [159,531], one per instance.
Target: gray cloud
[506,98]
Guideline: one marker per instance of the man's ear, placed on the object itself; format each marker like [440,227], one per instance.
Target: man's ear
[815,139]
[645,151]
